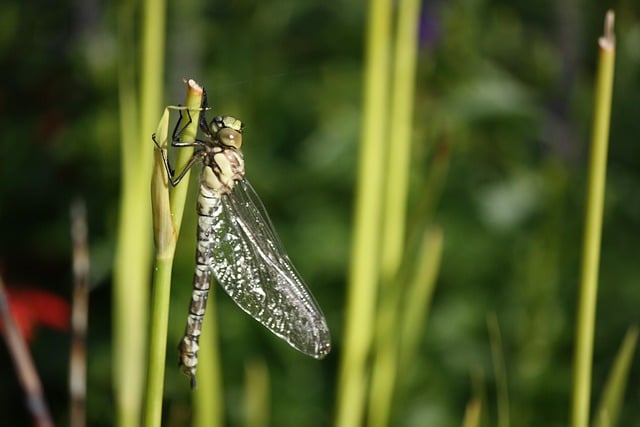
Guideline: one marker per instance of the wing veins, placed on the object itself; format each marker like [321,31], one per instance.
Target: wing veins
[285,305]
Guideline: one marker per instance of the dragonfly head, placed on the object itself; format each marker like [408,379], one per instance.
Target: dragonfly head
[228,130]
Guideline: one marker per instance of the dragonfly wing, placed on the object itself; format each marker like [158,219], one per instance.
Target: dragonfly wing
[252,266]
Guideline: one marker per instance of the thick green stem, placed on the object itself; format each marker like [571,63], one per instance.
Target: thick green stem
[208,403]
[131,260]
[167,215]
[158,341]
[133,248]
[383,377]
[363,276]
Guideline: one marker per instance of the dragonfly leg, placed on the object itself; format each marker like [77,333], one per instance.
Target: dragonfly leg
[175,142]
[192,161]
[164,157]
[178,131]
[204,126]
[177,134]
[170,172]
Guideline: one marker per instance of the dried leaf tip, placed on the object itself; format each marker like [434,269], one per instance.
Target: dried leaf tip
[608,39]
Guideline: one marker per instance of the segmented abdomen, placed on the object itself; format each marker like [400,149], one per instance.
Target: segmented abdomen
[209,208]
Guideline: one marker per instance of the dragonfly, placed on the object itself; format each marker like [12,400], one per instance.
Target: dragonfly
[238,245]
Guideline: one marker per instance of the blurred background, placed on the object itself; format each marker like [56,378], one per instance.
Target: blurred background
[503,107]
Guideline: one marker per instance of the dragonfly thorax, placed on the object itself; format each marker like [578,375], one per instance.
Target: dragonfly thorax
[222,168]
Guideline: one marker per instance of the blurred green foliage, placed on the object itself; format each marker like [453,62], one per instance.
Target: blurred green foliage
[504,94]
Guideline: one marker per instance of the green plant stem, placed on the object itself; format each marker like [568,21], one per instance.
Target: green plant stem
[472,413]
[417,299]
[152,73]
[363,276]
[179,193]
[399,140]
[133,248]
[157,344]
[384,368]
[131,260]
[614,389]
[167,215]
[208,402]
[593,229]
[257,393]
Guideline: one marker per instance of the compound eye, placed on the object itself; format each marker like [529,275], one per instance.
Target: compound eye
[230,137]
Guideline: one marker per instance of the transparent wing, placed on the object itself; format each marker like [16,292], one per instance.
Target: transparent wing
[253,268]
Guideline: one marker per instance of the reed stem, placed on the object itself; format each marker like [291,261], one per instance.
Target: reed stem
[364,267]
[167,215]
[583,352]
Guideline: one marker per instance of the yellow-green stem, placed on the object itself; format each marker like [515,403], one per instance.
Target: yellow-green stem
[363,276]
[583,351]
[612,398]
[131,260]
[399,139]
[396,186]
[179,193]
[157,345]
[257,393]
[208,410]
[167,217]
[417,299]
[472,413]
